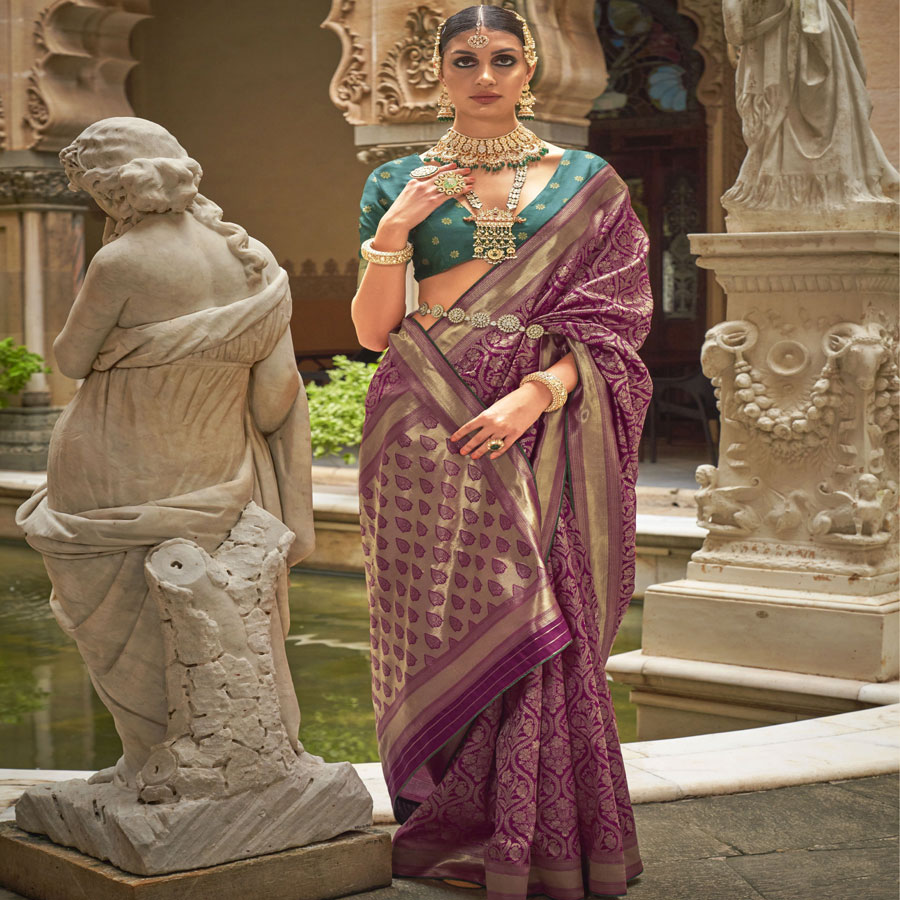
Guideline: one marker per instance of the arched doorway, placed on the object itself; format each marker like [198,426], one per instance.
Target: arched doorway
[651,126]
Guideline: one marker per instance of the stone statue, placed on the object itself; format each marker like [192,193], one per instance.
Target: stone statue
[812,163]
[178,492]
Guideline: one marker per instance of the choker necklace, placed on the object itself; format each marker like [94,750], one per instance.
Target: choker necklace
[494,238]
[518,148]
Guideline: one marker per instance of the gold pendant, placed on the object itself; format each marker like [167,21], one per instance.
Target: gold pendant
[494,239]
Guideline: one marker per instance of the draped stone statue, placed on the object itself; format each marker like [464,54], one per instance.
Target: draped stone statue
[178,492]
[813,162]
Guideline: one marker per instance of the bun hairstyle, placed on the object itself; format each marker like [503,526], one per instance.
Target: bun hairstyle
[495,18]
[137,168]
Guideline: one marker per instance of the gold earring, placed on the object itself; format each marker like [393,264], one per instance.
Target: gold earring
[446,112]
[526,103]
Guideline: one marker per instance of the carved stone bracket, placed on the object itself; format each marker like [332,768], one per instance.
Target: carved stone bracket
[79,75]
[407,88]
[349,84]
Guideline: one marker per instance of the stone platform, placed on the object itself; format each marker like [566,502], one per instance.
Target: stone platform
[33,867]
[828,841]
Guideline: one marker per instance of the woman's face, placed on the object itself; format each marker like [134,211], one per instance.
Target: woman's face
[485,83]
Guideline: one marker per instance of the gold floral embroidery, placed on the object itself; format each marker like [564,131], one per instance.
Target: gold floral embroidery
[554,185]
[565,199]
[566,162]
[385,175]
[435,240]
[454,254]
[579,177]
[367,208]
[383,201]
[540,206]
[522,235]
[446,221]
[425,262]
[588,155]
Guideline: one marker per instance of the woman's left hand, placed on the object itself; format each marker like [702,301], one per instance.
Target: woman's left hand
[507,419]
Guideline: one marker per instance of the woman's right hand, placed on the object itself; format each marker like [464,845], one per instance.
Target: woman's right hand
[415,203]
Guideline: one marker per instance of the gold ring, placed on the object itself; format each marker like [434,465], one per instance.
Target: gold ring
[495,445]
[450,183]
[424,171]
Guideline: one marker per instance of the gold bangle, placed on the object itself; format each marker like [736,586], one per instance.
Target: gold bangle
[554,384]
[386,257]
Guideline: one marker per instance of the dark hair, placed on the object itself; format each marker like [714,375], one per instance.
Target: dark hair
[494,17]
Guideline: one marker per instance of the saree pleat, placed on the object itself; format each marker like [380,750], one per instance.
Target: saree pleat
[496,587]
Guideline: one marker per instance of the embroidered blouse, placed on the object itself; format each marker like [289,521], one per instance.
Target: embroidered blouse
[444,240]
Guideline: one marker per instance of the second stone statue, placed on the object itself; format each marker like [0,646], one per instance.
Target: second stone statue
[178,493]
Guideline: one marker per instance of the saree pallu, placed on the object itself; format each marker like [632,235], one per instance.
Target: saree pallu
[496,587]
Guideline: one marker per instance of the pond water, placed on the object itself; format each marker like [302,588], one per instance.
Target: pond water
[50,717]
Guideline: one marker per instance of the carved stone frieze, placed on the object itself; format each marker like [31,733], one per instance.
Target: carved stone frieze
[350,83]
[382,153]
[407,89]
[38,186]
[80,71]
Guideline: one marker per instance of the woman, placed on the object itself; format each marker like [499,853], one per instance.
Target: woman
[190,408]
[497,484]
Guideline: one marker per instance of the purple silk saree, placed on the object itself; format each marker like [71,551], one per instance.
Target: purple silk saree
[496,587]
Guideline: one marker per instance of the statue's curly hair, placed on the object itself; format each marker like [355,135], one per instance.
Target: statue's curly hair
[137,168]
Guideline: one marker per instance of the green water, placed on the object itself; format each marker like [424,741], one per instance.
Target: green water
[50,717]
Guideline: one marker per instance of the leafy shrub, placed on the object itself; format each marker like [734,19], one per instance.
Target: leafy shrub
[17,365]
[337,409]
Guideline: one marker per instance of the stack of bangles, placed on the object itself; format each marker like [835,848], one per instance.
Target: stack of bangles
[555,386]
[386,257]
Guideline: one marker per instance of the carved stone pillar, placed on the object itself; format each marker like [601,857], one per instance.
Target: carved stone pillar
[67,68]
[790,609]
[387,90]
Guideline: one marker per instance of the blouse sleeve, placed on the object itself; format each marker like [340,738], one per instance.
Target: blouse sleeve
[371,209]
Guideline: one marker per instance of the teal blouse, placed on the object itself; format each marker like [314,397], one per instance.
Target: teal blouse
[444,240]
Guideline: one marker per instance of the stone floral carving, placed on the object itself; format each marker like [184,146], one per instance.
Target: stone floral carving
[406,88]
[350,83]
[813,162]
[857,357]
[178,492]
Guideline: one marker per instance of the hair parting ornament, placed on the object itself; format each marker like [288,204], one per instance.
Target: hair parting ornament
[479,40]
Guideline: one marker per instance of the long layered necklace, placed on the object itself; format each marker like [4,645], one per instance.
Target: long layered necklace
[494,240]
[517,148]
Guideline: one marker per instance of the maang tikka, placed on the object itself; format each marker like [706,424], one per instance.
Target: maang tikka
[478,40]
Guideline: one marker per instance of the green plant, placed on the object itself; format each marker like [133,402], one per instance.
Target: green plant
[337,409]
[17,365]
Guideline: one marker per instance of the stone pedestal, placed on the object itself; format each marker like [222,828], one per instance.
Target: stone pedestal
[357,861]
[799,571]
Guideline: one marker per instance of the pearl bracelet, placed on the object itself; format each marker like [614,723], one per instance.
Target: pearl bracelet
[555,385]
[386,257]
